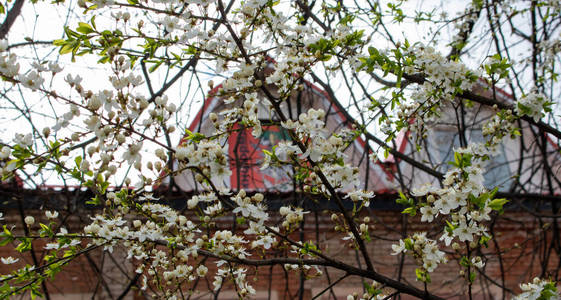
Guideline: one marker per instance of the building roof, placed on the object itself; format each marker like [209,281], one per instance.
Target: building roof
[517,160]
[246,152]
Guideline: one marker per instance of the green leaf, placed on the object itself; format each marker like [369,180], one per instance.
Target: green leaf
[410,210]
[67,48]
[369,288]
[409,244]
[155,66]
[457,159]
[84,28]
[194,136]
[422,275]
[25,245]
[449,227]
[78,161]
[549,291]
[6,236]
[472,277]
[483,240]
[497,204]
[94,201]
[59,42]
[464,262]
[93,22]
[404,200]
[45,230]
[35,292]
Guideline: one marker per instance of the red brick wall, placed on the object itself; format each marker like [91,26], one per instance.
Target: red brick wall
[517,233]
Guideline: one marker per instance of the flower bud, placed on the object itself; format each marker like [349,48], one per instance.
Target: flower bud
[258,197]
[46,131]
[284,210]
[213,117]
[120,138]
[29,220]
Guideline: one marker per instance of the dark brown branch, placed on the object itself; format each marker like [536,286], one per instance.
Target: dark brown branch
[402,287]
[372,137]
[420,79]
[307,11]
[129,286]
[11,18]
[463,35]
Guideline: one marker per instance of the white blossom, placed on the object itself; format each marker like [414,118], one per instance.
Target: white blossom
[9,260]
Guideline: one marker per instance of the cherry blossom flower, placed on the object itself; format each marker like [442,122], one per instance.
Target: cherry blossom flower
[9,260]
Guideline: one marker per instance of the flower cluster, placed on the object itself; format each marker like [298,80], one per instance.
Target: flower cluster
[464,201]
[309,124]
[533,105]
[208,156]
[375,291]
[238,275]
[444,80]
[463,198]
[498,127]
[205,198]
[363,197]
[538,289]
[9,66]
[248,114]
[344,177]
[32,79]
[424,250]
[250,206]
[328,152]
[165,226]
[292,217]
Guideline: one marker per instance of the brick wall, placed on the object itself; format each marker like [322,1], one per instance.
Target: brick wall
[516,232]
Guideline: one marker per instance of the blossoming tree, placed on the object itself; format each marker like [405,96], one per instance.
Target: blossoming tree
[112,131]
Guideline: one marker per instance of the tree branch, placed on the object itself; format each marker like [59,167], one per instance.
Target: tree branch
[11,18]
